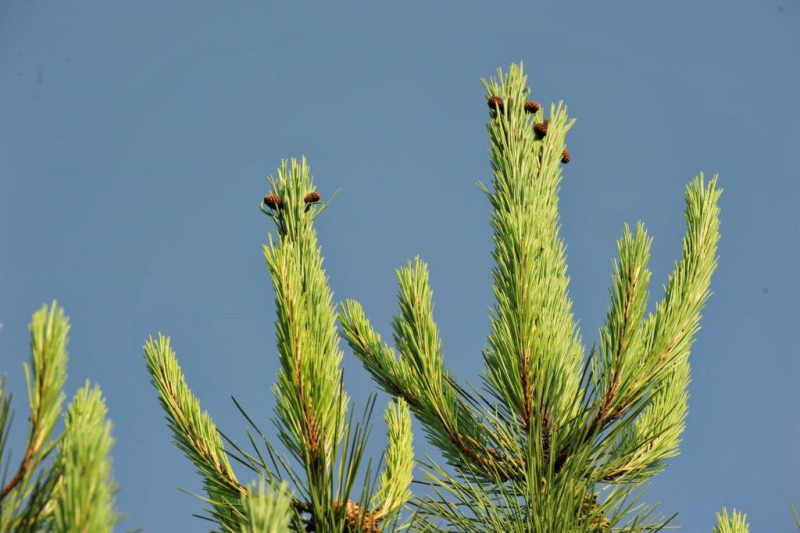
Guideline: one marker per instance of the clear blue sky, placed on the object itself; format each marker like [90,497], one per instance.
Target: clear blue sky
[135,139]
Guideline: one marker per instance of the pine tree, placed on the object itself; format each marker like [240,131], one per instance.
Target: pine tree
[315,487]
[63,482]
[556,439]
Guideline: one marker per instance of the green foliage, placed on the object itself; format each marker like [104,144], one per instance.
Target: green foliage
[319,477]
[393,491]
[558,440]
[194,432]
[735,523]
[266,510]
[86,501]
[310,399]
[73,491]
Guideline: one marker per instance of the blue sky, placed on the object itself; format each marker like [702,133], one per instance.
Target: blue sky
[135,139]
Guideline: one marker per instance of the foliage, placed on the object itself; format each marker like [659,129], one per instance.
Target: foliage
[557,439]
[735,523]
[86,466]
[74,491]
[325,447]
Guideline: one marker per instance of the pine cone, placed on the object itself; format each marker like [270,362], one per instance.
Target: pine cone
[352,514]
[540,128]
[371,523]
[565,157]
[496,103]
[532,107]
[273,201]
[312,197]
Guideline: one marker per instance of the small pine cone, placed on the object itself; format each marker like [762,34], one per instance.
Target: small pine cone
[540,128]
[371,523]
[352,514]
[532,107]
[273,201]
[565,157]
[496,103]
[312,197]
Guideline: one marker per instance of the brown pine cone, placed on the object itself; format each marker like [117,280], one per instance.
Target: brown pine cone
[532,107]
[496,103]
[565,157]
[312,197]
[273,201]
[540,128]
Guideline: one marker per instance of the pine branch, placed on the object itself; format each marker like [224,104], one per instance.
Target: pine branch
[378,358]
[45,377]
[621,338]
[558,441]
[432,397]
[394,492]
[534,351]
[312,407]
[669,335]
[85,498]
[33,514]
[79,477]
[558,428]
[309,385]
[677,317]
[193,431]
[449,423]
[23,499]
[621,341]
[311,403]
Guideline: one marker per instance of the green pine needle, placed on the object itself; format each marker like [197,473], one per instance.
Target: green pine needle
[736,522]
[85,500]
